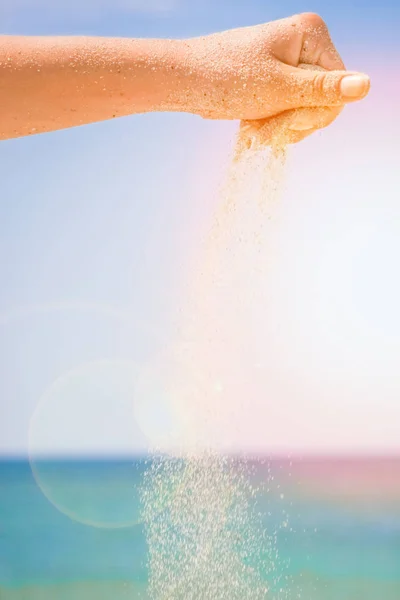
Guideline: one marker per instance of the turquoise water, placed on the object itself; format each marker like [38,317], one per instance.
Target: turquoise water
[72,529]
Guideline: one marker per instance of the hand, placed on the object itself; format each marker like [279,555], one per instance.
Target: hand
[253,74]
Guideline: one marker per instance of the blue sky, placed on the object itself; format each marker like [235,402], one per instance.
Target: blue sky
[99,225]
[351,25]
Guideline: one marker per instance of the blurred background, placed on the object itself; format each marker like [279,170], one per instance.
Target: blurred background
[100,229]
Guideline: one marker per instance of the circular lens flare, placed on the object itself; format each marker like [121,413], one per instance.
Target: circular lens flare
[91,403]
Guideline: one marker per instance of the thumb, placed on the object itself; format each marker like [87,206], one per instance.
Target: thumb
[314,87]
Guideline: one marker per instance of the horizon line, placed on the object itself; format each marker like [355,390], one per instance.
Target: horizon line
[297,456]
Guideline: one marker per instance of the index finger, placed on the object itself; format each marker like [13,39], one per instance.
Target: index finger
[318,47]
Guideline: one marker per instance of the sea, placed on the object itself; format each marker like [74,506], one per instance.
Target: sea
[72,529]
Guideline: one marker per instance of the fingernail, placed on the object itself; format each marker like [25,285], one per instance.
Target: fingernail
[299,127]
[354,86]
[300,122]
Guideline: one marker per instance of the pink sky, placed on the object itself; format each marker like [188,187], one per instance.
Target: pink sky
[329,331]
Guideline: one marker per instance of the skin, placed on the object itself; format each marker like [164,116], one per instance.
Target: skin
[250,74]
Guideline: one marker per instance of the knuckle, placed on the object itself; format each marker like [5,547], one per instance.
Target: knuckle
[319,82]
[311,19]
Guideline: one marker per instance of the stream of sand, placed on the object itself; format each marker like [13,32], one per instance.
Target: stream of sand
[204,533]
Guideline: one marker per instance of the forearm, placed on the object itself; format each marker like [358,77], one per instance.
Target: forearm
[54,83]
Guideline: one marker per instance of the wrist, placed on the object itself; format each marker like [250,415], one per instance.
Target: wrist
[188,79]
[214,86]
[170,67]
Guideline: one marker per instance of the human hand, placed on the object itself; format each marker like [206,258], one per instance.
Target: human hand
[253,74]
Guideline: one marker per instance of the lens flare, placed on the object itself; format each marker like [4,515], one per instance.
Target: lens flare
[96,397]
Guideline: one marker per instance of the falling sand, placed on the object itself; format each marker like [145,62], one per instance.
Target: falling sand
[205,535]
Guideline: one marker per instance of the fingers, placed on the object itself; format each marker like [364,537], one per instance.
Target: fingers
[289,127]
[312,88]
[323,88]
[330,60]
[317,47]
[312,119]
[257,135]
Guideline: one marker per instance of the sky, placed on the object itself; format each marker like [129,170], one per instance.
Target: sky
[99,230]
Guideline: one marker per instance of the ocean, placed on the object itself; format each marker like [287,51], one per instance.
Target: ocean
[72,529]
